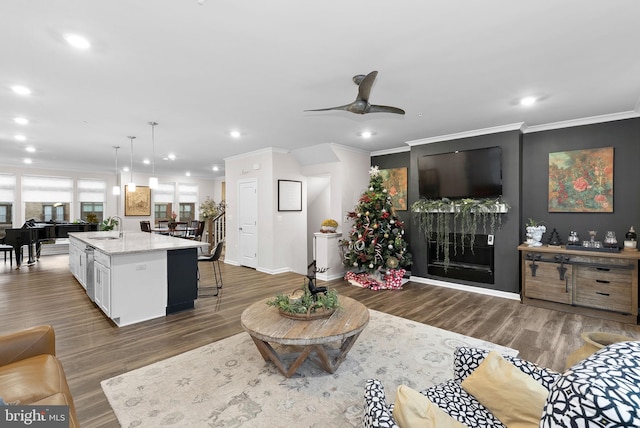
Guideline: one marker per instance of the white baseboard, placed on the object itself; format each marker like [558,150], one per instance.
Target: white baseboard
[273,271]
[463,287]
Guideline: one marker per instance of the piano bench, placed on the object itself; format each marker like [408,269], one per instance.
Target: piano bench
[8,248]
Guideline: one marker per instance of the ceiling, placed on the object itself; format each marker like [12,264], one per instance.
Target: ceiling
[202,68]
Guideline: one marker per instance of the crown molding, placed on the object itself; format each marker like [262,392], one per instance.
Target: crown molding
[584,121]
[258,152]
[391,151]
[519,126]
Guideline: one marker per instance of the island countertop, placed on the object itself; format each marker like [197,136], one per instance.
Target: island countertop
[133,242]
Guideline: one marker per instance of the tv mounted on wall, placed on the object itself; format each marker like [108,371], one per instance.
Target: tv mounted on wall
[461,174]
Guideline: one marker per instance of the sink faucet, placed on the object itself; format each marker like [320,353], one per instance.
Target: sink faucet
[119,225]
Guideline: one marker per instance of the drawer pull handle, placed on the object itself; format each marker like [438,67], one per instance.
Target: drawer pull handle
[603,269]
[602,281]
[602,294]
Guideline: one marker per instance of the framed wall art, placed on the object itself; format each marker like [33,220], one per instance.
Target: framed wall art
[581,181]
[137,203]
[289,195]
[395,181]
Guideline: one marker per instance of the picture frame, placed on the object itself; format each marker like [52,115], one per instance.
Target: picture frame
[581,181]
[137,203]
[289,195]
[395,181]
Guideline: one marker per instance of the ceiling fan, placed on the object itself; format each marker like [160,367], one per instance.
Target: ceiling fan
[361,104]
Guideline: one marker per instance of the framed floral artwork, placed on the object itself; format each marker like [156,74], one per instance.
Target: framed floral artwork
[581,181]
[395,181]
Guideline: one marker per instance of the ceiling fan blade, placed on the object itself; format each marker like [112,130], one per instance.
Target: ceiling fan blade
[364,88]
[385,109]
[344,107]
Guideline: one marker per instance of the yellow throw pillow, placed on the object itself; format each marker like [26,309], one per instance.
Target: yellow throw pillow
[512,396]
[413,409]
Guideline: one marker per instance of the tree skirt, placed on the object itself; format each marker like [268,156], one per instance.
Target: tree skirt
[392,280]
[228,384]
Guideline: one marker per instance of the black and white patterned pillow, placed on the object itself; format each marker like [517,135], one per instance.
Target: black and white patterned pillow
[461,406]
[376,411]
[466,360]
[600,391]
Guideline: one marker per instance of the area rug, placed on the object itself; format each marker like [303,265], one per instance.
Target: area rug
[228,384]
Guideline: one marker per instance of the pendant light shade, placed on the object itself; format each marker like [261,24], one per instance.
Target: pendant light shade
[153,180]
[116,188]
[131,187]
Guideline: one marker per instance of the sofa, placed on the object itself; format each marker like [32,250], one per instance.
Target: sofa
[602,390]
[30,373]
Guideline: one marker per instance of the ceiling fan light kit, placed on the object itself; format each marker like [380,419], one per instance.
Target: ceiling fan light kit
[361,105]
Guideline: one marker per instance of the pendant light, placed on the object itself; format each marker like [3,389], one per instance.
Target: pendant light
[131,187]
[153,180]
[116,188]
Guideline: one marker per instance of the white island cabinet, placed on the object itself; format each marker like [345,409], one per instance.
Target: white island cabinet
[138,277]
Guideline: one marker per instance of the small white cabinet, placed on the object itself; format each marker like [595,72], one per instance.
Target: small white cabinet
[102,281]
[327,255]
[77,261]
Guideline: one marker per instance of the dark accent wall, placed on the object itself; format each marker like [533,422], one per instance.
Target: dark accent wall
[507,238]
[525,172]
[624,137]
[399,160]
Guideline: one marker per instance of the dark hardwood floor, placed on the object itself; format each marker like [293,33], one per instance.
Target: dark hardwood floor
[93,349]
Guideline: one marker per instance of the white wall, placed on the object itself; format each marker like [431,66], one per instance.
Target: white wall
[281,235]
[349,178]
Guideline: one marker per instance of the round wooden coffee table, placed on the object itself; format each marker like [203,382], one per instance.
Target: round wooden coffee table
[266,326]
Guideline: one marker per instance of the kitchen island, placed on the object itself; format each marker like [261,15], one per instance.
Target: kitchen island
[138,276]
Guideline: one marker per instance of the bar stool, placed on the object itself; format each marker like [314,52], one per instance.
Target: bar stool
[7,248]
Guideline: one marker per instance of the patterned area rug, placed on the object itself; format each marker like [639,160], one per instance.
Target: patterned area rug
[228,384]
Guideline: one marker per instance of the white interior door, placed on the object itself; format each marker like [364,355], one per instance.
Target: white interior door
[248,223]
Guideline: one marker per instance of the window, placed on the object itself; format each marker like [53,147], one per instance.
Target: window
[47,198]
[187,212]
[163,201]
[161,212]
[91,195]
[92,212]
[7,196]
[187,198]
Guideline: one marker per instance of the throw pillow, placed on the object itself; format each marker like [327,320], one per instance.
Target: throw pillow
[601,391]
[413,409]
[514,398]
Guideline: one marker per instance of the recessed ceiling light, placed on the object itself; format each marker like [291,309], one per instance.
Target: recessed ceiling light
[77,41]
[27,160]
[171,156]
[366,134]
[21,90]
[21,120]
[527,101]
[235,134]
[188,174]
[20,137]
[215,168]
[125,169]
[146,161]
[30,149]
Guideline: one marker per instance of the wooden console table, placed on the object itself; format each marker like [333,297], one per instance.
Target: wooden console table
[594,283]
[266,326]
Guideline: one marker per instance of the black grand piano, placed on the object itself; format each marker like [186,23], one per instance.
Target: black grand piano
[32,233]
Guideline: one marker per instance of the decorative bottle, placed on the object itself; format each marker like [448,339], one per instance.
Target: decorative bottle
[630,240]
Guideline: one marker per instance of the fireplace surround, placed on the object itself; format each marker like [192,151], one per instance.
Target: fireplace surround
[466,263]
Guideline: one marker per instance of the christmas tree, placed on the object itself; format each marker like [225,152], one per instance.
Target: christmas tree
[376,241]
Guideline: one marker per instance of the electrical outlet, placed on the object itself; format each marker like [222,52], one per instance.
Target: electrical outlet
[489,239]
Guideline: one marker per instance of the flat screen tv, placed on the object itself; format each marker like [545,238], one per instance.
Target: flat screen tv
[461,174]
